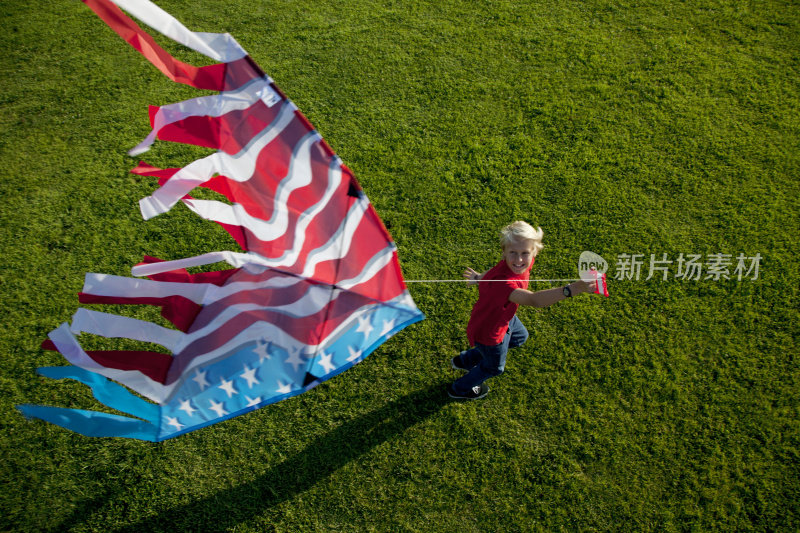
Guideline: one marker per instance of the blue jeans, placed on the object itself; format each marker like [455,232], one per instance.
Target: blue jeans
[485,361]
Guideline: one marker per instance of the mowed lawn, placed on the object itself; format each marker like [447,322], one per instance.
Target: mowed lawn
[660,133]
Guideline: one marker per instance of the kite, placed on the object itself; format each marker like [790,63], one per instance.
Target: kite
[317,288]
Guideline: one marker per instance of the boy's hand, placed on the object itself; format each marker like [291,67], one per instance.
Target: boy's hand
[579,287]
[471,276]
[590,286]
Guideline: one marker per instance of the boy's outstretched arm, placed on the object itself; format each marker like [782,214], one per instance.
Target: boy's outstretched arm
[548,297]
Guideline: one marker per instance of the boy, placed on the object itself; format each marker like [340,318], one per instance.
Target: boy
[493,326]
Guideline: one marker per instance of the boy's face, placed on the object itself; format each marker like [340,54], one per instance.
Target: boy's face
[518,255]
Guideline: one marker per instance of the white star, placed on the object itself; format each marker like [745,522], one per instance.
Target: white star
[284,389]
[174,422]
[187,408]
[227,386]
[354,354]
[262,351]
[364,326]
[388,325]
[250,375]
[200,379]
[295,358]
[218,408]
[325,362]
[252,402]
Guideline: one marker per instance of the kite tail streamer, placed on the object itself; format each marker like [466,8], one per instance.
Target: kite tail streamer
[105,391]
[96,423]
[236,71]
[92,423]
[133,375]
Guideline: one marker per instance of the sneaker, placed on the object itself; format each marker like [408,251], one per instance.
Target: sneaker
[455,362]
[477,392]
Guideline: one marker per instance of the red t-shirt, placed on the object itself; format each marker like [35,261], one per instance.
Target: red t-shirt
[493,311]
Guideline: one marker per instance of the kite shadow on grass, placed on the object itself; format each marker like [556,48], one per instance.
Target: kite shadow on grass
[320,458]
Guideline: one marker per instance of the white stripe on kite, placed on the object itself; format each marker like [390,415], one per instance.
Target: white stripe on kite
[119,286]
[229,289]
[373,266]
[314,300]
[290,257]
[235,259]
[299,176]
[239,167]
[109,325]
[213,106]
[218,46]
[339,243]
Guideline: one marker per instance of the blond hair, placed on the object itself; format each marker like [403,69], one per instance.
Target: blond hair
[522,231]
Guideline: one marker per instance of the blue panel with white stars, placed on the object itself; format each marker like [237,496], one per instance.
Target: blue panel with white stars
[262,372]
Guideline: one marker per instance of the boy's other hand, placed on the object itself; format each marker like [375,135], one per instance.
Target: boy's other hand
[471,276]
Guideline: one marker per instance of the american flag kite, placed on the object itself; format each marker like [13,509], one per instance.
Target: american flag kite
[317,288]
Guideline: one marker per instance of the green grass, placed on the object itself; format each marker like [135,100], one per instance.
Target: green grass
[619,127]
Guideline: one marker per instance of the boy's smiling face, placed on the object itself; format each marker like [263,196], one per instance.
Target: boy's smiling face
[518,255]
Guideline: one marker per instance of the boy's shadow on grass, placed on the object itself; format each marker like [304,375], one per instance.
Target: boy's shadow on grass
[320,458]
